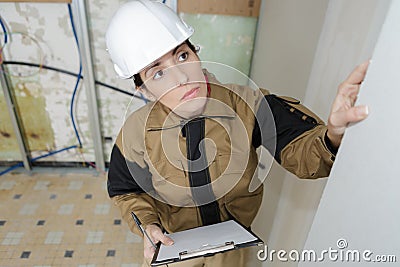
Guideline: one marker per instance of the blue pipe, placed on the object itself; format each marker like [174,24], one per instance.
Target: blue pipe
[4,30]
[20,164]
[71,110]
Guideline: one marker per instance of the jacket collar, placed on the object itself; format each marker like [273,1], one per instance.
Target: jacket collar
[161,118]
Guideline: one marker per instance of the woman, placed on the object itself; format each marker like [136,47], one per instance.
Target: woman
[187,158]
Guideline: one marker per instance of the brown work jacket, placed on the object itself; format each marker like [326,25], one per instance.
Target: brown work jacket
[159,160]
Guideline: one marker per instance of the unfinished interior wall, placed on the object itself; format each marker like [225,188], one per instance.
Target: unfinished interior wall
[8,141]
[234,35]
[41,33]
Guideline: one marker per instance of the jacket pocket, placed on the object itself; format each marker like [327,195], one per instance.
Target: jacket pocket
[231,174]
[171,184]
[237,172]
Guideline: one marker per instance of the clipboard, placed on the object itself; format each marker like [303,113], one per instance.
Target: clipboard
[205,241]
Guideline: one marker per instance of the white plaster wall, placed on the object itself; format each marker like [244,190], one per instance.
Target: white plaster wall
[359,211]
[348,37]
[286,41]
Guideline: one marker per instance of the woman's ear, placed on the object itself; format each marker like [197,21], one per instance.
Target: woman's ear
[144,91]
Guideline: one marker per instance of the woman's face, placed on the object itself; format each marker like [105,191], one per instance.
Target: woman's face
[177,81]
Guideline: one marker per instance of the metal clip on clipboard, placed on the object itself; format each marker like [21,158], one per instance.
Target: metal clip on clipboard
[206,249]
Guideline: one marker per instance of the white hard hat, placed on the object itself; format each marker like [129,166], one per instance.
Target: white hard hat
[142,31]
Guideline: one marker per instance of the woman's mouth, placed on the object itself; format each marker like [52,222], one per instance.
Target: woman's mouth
[191,94]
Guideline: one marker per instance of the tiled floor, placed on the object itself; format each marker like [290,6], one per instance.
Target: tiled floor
[62,220]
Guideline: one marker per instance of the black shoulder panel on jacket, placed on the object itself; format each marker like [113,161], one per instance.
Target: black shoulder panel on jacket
[289,124]
[125,176]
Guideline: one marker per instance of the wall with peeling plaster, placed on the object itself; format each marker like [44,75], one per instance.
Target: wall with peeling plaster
[41,33]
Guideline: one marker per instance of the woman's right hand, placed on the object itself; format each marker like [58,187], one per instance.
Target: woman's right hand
[156,235]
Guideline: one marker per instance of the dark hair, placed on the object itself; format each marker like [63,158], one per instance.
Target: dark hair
[138,80]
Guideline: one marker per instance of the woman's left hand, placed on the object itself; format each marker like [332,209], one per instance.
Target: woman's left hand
[343,110]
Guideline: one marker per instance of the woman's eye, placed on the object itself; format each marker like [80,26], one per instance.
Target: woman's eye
[183,56]
[158,75]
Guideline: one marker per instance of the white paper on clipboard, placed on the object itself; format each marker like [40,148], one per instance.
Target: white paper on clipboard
[206,237]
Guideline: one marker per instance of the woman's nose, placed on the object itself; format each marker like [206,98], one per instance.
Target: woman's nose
[179,74]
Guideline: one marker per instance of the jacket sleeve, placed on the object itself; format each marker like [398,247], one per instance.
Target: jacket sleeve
[301,144]
[128,183]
